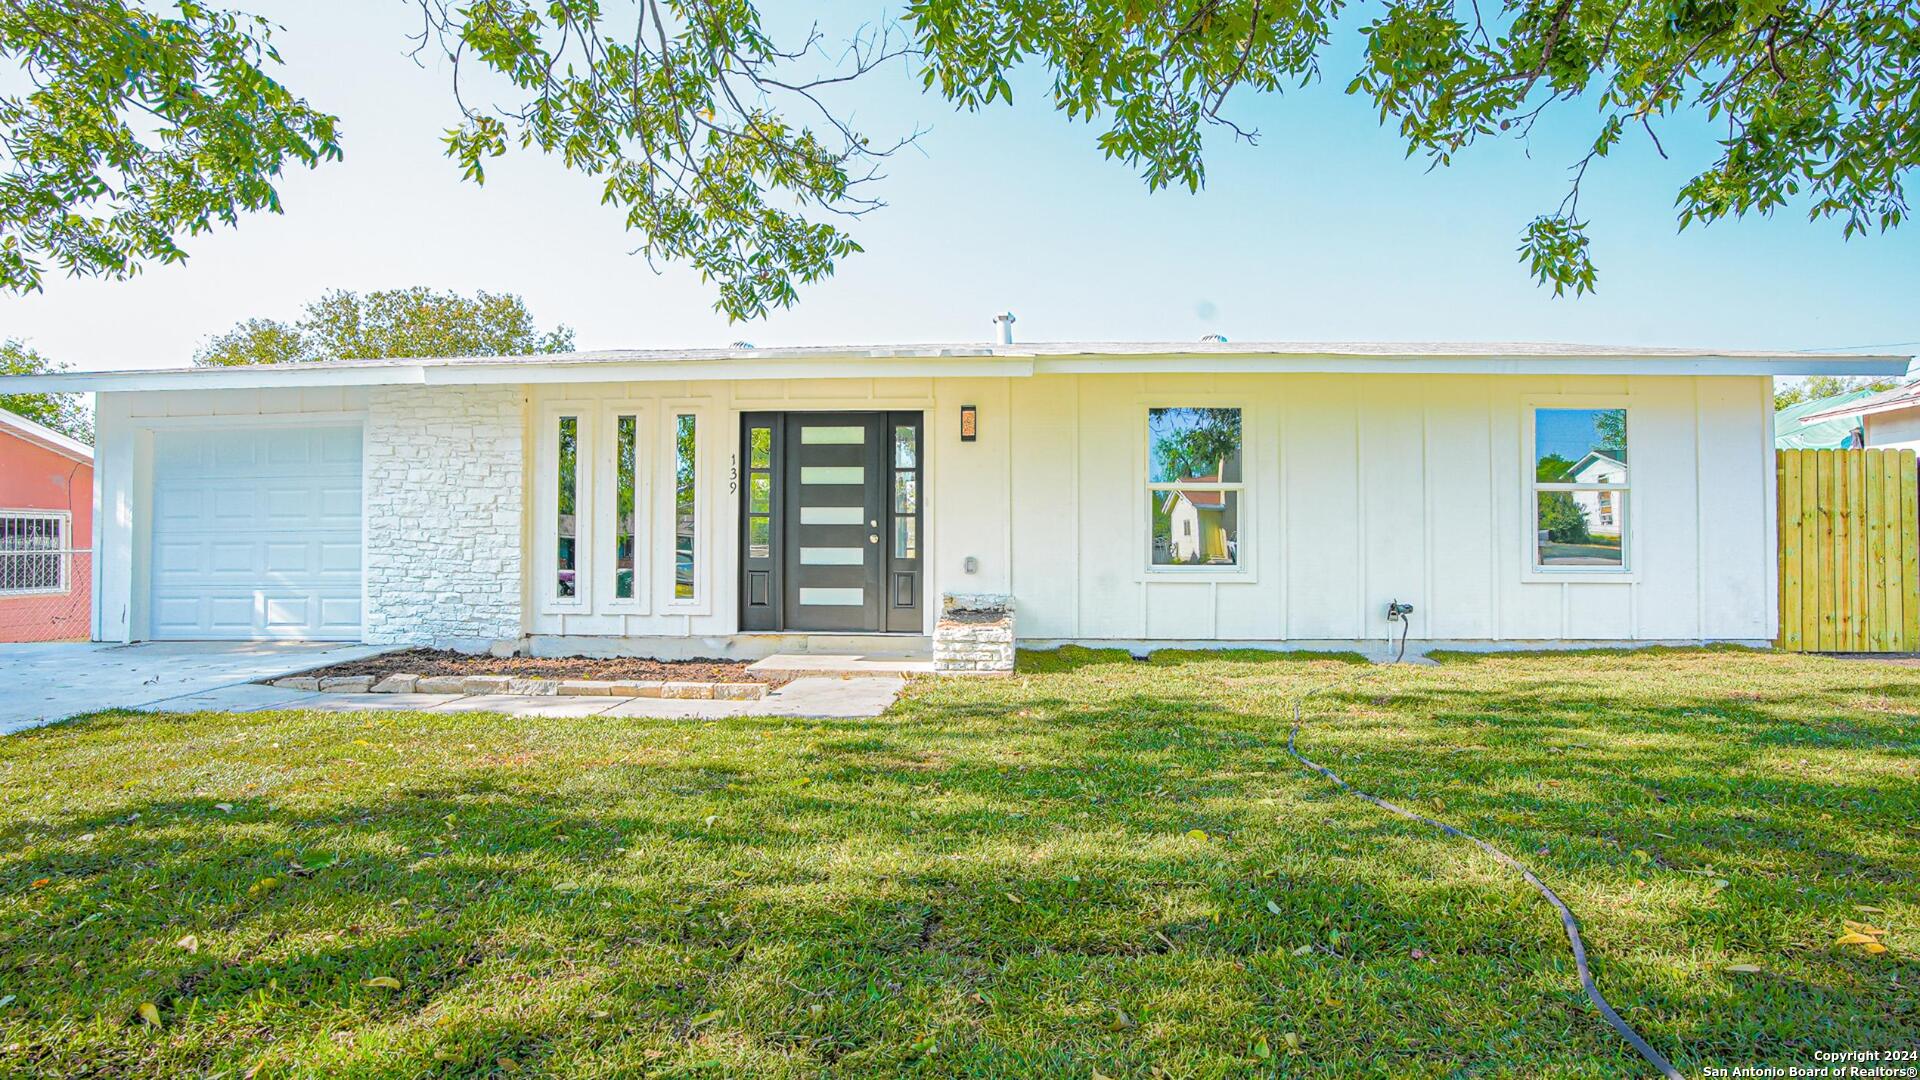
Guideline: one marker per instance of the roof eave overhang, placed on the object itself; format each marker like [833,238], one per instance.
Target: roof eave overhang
[857,366]
[1849,413]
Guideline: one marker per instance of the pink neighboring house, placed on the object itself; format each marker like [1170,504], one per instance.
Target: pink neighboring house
[46,529]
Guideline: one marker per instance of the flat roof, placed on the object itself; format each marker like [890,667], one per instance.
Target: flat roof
[1037,358]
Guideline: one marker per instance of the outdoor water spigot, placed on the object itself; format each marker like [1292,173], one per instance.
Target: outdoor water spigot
[1397,610]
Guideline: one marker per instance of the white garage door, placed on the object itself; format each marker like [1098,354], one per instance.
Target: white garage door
[256,534]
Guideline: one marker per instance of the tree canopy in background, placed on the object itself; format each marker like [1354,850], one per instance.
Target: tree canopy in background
[344,325]
[728,147]
[64,413]
[1815,387]
[133,129]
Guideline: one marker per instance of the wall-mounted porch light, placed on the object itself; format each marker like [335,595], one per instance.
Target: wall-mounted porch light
[969,423]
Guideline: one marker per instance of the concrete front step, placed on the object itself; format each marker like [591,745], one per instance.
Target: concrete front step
[843,664]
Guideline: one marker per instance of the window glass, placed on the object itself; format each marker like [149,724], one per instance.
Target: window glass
[1580,482]
[33,555]
[760,449]
[760,494]
[1571,530]
[569,483]
[1193,445]
[905,539]
[1195,527]
[685,469]
[905,492]
[626,441]
[759,537]
[1580,446]
[905,452]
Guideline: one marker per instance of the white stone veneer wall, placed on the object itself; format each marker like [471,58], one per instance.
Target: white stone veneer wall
[443,503]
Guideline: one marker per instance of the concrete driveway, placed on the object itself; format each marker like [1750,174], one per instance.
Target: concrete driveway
[41,683]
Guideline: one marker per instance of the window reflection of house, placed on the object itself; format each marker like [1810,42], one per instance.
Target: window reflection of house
[1203,525]
[1598,506]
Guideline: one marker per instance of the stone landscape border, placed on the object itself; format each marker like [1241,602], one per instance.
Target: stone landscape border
[525,686]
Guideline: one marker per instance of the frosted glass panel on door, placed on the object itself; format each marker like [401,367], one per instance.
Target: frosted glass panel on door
[832,474]
[833,597]
[832,556]
[832,515]
[833,436]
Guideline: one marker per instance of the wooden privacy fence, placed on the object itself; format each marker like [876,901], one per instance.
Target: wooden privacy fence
[1849,551]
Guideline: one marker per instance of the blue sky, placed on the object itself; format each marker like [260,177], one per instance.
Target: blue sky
[1324,231]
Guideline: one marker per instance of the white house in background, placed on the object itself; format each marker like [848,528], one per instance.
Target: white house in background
[743,501]
[1603,510]
[1889,420]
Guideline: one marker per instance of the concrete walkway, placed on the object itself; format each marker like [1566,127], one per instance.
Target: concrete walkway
[44,682]
[806,697]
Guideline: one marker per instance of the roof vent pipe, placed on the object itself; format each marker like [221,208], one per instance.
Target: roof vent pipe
[1003,327]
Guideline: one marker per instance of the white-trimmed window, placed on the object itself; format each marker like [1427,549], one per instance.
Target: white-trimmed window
[1580,490]
[684,490]
[563,508]
[1195,487]
[34,552]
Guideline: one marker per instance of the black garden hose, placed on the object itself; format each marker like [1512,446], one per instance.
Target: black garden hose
[1567,920]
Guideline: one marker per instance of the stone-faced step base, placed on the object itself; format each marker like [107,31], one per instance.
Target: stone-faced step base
[522,686]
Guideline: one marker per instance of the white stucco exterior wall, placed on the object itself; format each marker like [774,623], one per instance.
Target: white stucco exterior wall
[443,496]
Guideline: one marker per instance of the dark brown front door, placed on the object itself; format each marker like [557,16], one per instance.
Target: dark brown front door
[831,518]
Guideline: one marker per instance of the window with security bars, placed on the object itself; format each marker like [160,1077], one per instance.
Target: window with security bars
[33,552]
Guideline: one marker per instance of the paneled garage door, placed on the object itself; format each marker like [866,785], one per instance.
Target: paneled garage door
[256,534]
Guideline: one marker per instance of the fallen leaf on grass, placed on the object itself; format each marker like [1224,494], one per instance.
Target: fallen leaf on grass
[1119,1021]
[1854,938]
[1869,909]
[41,883]
[1874,948]
[224,807]
[1261,1050]
[1273,907]
[707,1018]
[383,982]
[1744,969]
[1197,834]
[1303,950]
[264,886]
[150,1013]
[1015,898]
[189,943]
[1293,1040]
[1863,928]
[507,1064]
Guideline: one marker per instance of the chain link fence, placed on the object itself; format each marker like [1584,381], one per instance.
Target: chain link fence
[45,589]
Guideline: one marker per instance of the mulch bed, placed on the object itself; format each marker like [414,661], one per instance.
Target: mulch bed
[447,662]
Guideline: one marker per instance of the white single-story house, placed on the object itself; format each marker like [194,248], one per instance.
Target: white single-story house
[742,501]
[1889,420]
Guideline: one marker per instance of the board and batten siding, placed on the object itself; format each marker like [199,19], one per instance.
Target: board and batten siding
[1361,489]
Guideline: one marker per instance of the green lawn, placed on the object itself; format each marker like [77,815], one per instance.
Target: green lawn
[1100,867]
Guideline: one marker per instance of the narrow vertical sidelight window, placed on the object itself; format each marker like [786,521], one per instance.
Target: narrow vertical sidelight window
[760,493]
[626,440]
[685,527]
[906,492]
[565,548]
